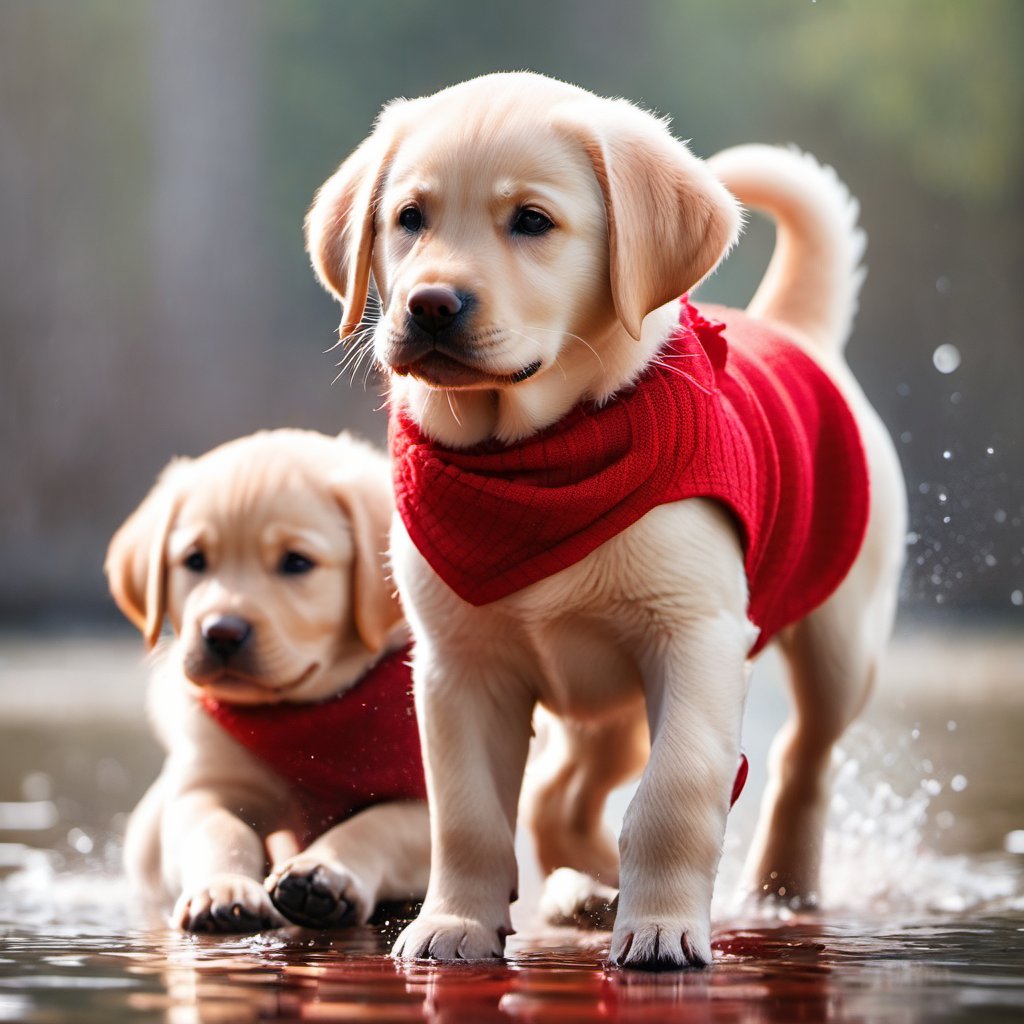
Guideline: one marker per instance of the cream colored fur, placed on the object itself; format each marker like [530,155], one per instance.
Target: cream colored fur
[645,640]
[217,817]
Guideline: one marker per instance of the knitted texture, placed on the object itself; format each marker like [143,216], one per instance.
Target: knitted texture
[729,410]
[340,755]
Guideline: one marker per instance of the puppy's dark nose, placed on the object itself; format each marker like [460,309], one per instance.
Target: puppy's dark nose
[433,307]
[224,634]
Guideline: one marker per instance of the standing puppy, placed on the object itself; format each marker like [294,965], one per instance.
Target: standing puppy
[610,500]
[284,698]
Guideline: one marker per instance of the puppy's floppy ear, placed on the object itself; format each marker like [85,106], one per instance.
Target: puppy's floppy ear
[136,562]
[340,225]
[363,489]
[670,220]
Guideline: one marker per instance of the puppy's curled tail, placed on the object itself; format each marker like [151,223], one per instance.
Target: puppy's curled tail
[815,273]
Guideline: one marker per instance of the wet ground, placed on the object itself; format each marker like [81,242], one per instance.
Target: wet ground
[924,876]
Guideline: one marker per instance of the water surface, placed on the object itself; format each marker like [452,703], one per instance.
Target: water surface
[924,878]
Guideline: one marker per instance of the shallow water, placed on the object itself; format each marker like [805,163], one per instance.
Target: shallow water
[925,893]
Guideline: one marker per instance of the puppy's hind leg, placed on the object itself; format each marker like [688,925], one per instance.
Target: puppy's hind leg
[579,764]
[565,790]
[833,657]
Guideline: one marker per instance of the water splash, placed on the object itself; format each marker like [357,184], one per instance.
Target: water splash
[881,858]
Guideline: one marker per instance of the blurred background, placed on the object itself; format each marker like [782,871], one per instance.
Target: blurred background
[157,158]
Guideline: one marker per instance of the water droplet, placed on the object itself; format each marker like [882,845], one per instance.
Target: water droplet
[958,783]
[947,455]
[912,538]
[1017,598]
[924,488]
[80,841]
[956,398]
[951,726]
[990,451]
[991,560]
[946,358]
[943,497]
[931,786]
[999,515]
[906,437]
[947,519]
[945,819]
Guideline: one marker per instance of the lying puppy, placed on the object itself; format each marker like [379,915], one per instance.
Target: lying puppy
[610,499]
[284,699]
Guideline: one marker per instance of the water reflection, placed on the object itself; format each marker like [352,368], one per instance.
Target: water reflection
[810,970]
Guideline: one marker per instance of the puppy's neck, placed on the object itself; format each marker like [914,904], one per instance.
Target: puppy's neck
[593,371]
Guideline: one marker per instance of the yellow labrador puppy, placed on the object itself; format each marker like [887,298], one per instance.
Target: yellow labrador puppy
[611,499]
[284,698]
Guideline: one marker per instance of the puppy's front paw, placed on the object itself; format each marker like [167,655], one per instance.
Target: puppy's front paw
[227,903]
[318,894]
[571,898]
[448,937]
[659,946]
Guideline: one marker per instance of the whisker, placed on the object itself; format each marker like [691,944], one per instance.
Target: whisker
[370,324]
[681,373]
[353,358]
[370,363]
[575,337]
[455,415]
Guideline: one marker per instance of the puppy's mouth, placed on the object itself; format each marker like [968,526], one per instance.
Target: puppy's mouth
[437,369]
[234,687]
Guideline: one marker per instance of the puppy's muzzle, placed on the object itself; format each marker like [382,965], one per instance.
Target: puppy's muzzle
[224,635]
[438,346]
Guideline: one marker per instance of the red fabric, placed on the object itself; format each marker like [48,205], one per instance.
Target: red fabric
[730,410]
[340,755]
[740,781]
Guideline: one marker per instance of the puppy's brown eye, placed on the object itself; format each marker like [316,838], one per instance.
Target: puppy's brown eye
[411,219]
[531,222]
[195,562]
[294,564]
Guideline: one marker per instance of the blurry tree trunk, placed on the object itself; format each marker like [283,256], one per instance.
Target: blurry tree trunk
[210,295]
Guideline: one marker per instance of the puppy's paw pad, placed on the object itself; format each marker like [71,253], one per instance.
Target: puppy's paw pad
[448,937]
[226,904]
[573,899]
[317,895]
[659,947]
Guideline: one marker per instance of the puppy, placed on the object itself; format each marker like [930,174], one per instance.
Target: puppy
[284,699]
[610,499]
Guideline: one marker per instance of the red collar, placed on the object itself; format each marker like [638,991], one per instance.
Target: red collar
[343,754]
[729,410]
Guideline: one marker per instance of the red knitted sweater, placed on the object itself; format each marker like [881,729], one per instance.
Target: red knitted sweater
[730,410]
[340,755]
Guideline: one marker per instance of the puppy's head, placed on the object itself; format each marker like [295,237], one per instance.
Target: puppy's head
[513,225]
[266,555]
